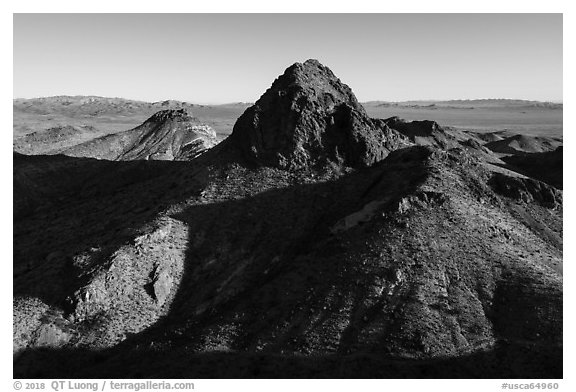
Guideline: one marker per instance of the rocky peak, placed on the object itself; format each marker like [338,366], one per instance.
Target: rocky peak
[319,82]
[168,115]
[308,117]
[171,135]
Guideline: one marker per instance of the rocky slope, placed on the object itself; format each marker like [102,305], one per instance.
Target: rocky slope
[167,135]
[313,242]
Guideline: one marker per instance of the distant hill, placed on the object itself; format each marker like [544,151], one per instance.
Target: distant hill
[111,115]
[76,106]
[96,105]
[524,144]
[167,135]
[54,140]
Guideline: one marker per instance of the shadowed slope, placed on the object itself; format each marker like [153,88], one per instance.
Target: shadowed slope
[544,166]
[360,264]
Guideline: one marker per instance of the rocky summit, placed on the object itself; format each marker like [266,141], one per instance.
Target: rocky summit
[313,242]
[309,117]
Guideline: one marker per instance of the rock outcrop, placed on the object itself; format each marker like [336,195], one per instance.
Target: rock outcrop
[423,133]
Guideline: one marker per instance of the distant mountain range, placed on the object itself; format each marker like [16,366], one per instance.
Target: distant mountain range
[87,101]
[92,100]
[470,103]
[110,115]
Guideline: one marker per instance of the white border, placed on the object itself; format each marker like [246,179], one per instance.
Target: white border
[304,6]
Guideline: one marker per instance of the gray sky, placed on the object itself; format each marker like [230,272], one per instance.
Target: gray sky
[217,58]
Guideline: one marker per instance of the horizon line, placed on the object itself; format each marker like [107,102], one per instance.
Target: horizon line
[555,101]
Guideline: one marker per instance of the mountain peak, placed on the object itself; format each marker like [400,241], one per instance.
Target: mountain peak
[166,135]
[308,117]
[310,68]
[170,114]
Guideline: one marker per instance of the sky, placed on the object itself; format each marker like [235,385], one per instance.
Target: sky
[219,58]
